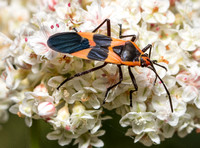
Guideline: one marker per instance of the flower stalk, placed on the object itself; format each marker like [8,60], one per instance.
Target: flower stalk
[35,135]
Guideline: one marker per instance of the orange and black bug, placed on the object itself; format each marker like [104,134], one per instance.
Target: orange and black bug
[99,47]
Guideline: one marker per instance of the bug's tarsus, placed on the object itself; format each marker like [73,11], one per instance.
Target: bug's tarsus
[134,83]
[14,66]
[155,80]
[108,27]
[124,36]
[149,46]
[82,73]
[154,70]
[75,29]
[120,80]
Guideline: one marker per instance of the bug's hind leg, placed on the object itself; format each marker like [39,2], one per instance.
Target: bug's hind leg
[120,80]
[134,83]
[108,27]
[124,36]
[82,73]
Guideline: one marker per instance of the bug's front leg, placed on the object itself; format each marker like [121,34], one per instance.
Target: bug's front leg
[124,36]
[149,46]
[134,83]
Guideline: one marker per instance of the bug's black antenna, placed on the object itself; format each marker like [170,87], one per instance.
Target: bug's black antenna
[155,62]
[154,70]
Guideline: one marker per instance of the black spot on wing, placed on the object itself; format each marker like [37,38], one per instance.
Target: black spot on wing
[67,42]
[102,40]
[98,53]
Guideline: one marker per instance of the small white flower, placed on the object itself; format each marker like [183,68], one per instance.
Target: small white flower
[87,96]
[69,10]
[63,137]
[38,41]
[191,38]
[12,21]
[147,138]
[4,102]
[189,93]
[89,139]
[156,11]
[140,122]
[167,130]
[50,3]
[190,77]
[187,122]
[62,119]
[145,36]
[11,75]
[163,110]
[97,13]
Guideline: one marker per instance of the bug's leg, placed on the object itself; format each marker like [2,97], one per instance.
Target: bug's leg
[155,80]
[120,80]
[82,73]
[75,29]
[124,36]
[108,27]
[134,83]
[149,46]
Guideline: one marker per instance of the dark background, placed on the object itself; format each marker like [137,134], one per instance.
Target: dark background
[15,134]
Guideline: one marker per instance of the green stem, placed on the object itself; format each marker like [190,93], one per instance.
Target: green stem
[35,135]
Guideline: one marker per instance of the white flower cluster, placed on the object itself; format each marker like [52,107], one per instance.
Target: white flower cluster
[32,71]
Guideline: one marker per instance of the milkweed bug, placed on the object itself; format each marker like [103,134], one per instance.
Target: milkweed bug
[100,47]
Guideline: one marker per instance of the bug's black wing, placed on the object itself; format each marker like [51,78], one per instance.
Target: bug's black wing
[72,42]
[102,40]
[100,51]
[67,42]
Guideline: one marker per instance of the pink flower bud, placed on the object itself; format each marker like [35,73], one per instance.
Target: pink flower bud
[46,109]
[41,88]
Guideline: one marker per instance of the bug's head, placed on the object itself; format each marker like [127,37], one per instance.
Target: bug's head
[144,60]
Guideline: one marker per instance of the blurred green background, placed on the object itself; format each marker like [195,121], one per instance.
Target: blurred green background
[15,134]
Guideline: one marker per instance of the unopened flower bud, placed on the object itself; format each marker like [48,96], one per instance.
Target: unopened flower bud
[40,88]
[63,113]
[46,109]
[78,108]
